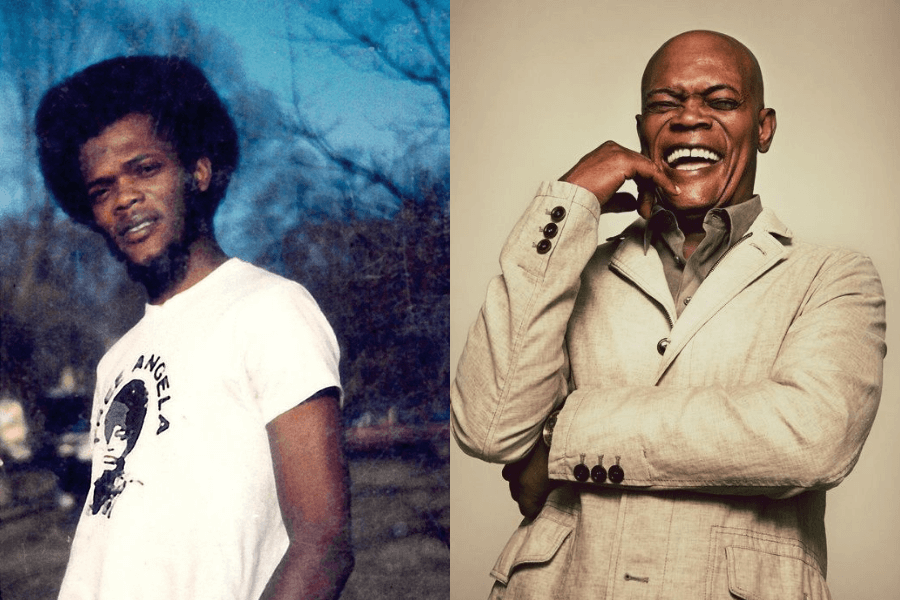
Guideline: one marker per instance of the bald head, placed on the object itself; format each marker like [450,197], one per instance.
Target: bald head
[703,91]
[699,46]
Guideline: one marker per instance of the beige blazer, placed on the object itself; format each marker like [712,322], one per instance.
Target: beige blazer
[728,423]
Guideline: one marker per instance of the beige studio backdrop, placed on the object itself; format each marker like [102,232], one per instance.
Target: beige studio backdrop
[537,84]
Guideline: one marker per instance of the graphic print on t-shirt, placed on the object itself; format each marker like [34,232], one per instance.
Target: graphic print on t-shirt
[119,425]
[121,429]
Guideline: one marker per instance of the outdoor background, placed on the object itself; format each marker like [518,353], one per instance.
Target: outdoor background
[343,114]
[538,84]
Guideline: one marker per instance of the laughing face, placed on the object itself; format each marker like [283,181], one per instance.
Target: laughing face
[136,186]
[702,119]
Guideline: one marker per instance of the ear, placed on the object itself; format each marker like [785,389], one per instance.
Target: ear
[639,119]
[203,173]
[766,128]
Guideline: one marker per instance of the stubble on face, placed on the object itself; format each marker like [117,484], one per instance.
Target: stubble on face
[149,207]
[169,268]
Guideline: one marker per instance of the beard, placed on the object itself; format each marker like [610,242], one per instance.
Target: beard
[164,271]
[169,268]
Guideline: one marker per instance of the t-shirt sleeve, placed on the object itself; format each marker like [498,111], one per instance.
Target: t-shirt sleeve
[291,352]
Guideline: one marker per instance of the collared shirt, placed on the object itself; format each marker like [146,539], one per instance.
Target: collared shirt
[723,226]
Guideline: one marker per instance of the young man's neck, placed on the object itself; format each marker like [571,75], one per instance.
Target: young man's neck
[204,256]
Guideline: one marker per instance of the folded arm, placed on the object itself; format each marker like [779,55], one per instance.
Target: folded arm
[513,371]
[802,427]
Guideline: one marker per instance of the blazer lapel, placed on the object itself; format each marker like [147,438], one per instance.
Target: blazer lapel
[747,260]
[643,268]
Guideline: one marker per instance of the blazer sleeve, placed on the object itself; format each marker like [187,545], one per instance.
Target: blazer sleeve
[513,370]
[801,428]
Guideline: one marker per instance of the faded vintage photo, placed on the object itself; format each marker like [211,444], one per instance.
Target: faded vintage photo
[224,300]
[673,268]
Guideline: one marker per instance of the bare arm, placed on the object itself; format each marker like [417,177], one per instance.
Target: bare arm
[313,493]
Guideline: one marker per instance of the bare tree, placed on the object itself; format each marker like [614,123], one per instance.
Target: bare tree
[41,42]
[406,40]
[51,274]
[381,276]
[403,41]
[384,285]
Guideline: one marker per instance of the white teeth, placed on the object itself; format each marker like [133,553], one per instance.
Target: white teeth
[138,227]
[702,153]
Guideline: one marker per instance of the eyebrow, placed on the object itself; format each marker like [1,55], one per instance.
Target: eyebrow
[710,90]
[110,179]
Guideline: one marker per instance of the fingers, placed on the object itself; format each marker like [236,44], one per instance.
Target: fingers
[658,178]
[606,168]
[648,195]
[624,202]
[529,483]
[513,471]
[620,202]
[645,204]
[530,501]
[529,504]
[531,508]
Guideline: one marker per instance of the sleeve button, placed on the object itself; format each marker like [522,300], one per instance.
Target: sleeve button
[580,472]
[558,214]
[598,474]
[616,474]
[550,230]
[543,246]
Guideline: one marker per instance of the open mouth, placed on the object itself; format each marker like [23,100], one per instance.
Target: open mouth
[135,228]
[684,158]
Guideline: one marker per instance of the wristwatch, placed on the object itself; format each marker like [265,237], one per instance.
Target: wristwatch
[549,424]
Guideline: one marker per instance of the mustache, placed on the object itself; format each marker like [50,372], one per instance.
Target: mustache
[169,268]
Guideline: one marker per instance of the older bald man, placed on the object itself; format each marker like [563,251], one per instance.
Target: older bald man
[672,404]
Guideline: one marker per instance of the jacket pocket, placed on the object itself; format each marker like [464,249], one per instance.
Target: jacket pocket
[756,566]
[755,575]
[535,543]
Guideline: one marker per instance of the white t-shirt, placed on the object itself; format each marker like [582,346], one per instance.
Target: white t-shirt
[183,501]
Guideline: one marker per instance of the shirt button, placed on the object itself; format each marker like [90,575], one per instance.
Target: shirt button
[616,474]
[550,230]
[543,246]
[687,300]
[661,346]
[558,214]
[581,472]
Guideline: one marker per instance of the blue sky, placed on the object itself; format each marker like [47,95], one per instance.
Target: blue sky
[357,108]
[342,96]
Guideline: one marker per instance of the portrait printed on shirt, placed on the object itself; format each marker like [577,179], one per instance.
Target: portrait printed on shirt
[120,424]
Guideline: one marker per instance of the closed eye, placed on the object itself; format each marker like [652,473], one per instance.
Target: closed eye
[661,106]
[723,103]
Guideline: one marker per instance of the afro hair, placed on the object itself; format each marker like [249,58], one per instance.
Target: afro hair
[185,108]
